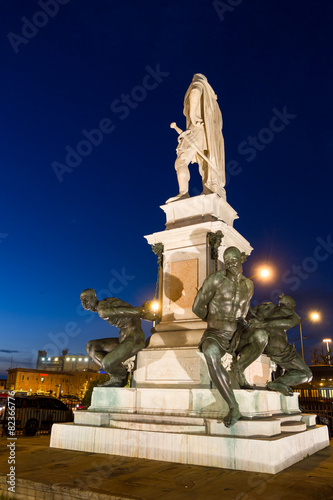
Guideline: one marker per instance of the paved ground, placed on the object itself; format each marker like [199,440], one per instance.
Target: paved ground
[47,473]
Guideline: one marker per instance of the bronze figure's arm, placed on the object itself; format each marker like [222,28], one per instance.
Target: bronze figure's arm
[203,297]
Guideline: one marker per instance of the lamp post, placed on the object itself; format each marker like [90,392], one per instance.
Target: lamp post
[301,337]
[328,341]
[314,316]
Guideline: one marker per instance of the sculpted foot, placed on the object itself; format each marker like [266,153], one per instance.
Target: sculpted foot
[284,389]
[240,377]
[232,417]
[114,381]
[180,196]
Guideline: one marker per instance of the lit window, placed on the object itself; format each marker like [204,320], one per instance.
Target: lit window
[80,359]
[49,359]
[86,359]
[67,359]
[56,359]
[43,359]
[73,359]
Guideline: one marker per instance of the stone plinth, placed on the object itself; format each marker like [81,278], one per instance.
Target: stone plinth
[186,367]
[198,209]
[191,402]
[185,426]
[188,260]
[269,454]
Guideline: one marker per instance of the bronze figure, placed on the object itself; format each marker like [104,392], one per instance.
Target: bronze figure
[266,334]
[111,353]
[223,301]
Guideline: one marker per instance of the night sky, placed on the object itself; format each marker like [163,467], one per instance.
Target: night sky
[123,68]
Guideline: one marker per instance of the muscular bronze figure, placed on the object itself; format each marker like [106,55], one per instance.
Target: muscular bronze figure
[110,353]
[266,334]
[223,301]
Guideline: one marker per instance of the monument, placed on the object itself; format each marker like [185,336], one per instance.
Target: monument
[183,404]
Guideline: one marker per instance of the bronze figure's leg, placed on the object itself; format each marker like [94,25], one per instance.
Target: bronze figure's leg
[249,353]
[297,372]
[99,348]
[219,375]
[112,362]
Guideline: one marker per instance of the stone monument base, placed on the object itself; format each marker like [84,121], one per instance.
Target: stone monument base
[192,445]
[185,426]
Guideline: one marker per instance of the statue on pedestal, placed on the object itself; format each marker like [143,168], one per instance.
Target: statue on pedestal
[202,141]
[266,334]
[223,301]
[111,353]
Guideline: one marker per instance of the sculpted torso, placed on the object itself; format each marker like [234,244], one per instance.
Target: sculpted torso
[227,301]
[116,313]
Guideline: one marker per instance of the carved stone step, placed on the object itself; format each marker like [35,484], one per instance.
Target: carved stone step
[161,427]
[292,426]
[158,419]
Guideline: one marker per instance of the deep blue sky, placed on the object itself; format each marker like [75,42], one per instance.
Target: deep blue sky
[58,238]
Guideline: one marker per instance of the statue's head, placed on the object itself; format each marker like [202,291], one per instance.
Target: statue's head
[233,259]
[199,77]
[288,301]
[89,299]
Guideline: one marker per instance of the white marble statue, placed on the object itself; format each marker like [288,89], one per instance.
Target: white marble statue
[202,141]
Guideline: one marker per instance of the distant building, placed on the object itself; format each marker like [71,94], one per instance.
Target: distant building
[322,376]
[321,386]
[3,382]
[65,362]
[32,381]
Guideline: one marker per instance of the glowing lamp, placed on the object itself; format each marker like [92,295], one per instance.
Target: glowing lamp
[155,306]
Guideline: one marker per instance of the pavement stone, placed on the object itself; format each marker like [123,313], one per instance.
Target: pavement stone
[52,474]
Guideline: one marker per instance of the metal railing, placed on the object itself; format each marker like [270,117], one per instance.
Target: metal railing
[320,402]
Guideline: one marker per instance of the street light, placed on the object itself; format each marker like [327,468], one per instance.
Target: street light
[155,307]
[328,341]
[313,316]
[264,273]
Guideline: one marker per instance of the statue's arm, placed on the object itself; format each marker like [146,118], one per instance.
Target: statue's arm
[252,312]
[203,297]
[194,102]
[110,312]
[284,322]
[250,290]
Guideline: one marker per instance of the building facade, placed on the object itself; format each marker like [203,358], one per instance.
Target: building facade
[65,362]
[61,383]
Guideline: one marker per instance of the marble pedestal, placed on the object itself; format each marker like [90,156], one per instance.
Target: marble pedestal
[186,368]
[187,261]
[185,426]
[172,414]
